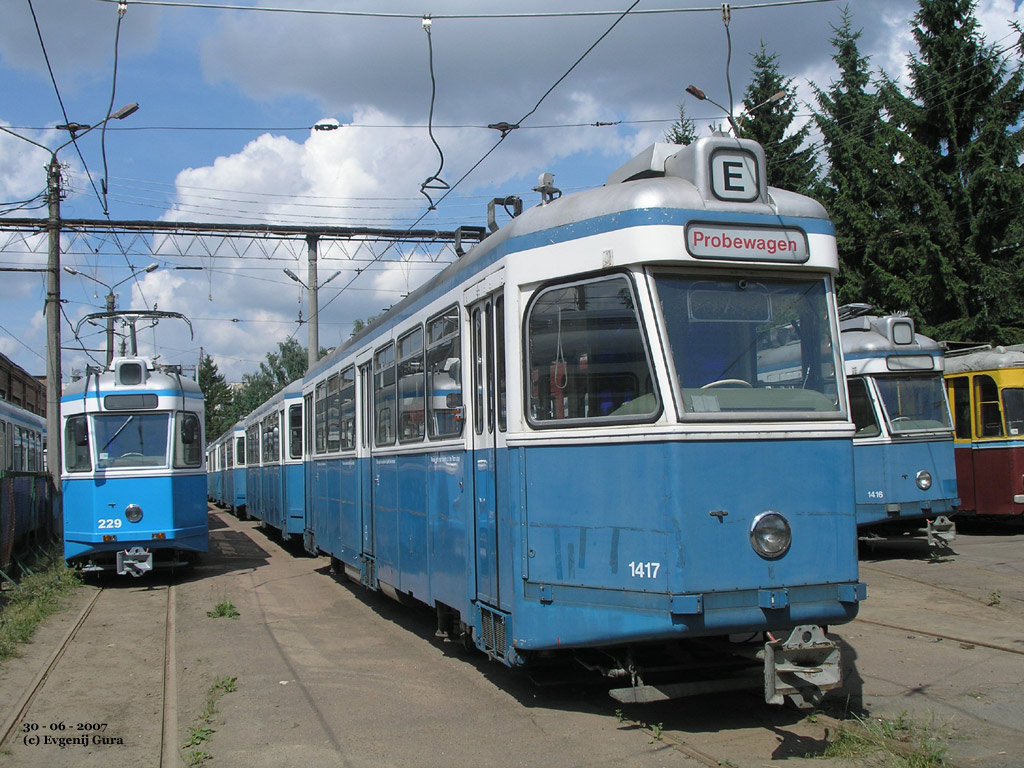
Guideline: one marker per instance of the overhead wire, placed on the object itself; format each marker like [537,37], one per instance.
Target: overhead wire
[504,135]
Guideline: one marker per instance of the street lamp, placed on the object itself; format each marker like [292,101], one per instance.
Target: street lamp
[313,353]
[110,301]
[52,306]
[698,94]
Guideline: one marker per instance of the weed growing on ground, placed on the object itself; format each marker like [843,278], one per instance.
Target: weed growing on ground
[37,596]
[203,729]
[886,742]
[224,609]
[994,598]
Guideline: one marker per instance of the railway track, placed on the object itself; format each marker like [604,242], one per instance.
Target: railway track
[108,691]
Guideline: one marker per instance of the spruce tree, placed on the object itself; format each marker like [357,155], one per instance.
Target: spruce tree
[217,397]
[857,183]
[682,131]
[768,122]
[957,255]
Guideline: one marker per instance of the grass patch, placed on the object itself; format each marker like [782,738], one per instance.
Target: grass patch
[39,595]
[881,742]
[203,729]
[225,609]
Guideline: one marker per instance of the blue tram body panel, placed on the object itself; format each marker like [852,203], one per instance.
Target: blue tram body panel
[886,490]
[172,507]
[640,531]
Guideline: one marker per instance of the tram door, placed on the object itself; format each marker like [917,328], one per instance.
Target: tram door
[488,425]
[366,464]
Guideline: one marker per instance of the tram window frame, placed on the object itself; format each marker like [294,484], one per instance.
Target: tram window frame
[307,415]
[960,403]
[862,408]
[410,376]
[188,454]
[347,408]
[240,457]
[3,446]
[988,407]
[499,360]
[384,396]
[295,431]
[252,446]
[443,363]
[582,383]
[333,423]
[1013,410]
[270,427]
[77,448]
[321,417]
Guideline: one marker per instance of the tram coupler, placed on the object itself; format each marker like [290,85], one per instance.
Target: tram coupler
[940,531]
[135,561]
[801,667]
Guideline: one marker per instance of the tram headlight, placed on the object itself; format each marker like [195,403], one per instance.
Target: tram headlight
[133,512]
[770,535]
[924,479]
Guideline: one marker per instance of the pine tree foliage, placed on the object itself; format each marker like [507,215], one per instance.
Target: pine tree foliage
[682,131]
[859,177]
[770,123]
[955,260]
[218,400]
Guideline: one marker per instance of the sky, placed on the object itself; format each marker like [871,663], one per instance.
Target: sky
[228,99]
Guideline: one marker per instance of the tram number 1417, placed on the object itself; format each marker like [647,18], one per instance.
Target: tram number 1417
[644,570]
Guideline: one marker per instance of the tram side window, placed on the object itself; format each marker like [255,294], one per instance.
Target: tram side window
[587,356]
[295,432]
[861,409]
[240,451]
[410,387]
[3,447]
[76,444]
[334,413]
[321,417]
[1013,410]
[348,409]
[252,445]
[960,398]
[384,395]
[272,439]
[188,443]
[444,375]
[990,419]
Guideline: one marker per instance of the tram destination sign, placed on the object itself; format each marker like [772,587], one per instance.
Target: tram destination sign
[746,243]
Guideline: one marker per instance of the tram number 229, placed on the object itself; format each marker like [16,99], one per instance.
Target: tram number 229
[644,570]
[109,522]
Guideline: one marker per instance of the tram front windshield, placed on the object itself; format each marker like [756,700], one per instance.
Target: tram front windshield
[751,347]
[914,403]
[131,440]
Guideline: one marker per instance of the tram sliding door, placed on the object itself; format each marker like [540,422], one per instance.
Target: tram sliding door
[487,341]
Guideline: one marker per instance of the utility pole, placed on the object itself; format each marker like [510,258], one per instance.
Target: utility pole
[52,312]
[314,303]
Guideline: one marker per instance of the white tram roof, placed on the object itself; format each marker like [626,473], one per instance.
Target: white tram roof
[135,375]
[990,359]
[889,344]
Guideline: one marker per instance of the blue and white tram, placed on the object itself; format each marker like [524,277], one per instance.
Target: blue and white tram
[569,442]
[134,476]
[274,474]
[903,451]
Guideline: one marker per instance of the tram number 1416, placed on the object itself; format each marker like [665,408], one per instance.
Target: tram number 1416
[644,570]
